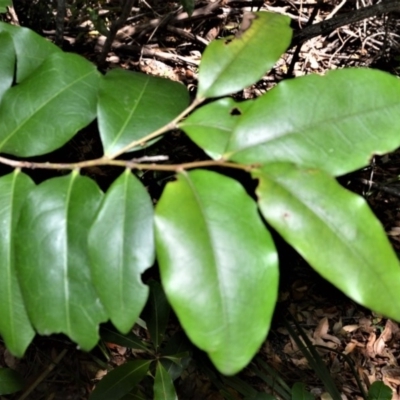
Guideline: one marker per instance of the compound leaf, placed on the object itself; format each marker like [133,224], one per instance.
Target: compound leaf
[218,265]
[15,327]
[335,231]
[43,112]
[121,248]
[231,64]
[53,262]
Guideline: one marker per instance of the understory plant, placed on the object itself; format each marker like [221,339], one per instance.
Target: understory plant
[72,255]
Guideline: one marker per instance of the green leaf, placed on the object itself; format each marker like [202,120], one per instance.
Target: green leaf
[53,262]
[335,231]
[299,392]
[47,109]
[121,248]
[379,391]
[157,313]
[318,132]
[218,265]
[7,57]
[231,64]
[4,4]
[132,105]
[121,380]
[31,49]
[176,354]
[211,126]
[163,386]
[15,327]
[188,6]
[281,126]
[10,381]
[129,340]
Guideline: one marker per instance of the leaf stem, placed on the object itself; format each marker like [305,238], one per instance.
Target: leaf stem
[168,127]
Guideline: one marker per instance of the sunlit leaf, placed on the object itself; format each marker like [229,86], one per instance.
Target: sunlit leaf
[53,262]
[132,105]
[218,265]
[231,64]
[335,231]
[15,327]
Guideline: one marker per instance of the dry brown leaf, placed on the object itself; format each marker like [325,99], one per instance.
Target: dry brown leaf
[350,328]
[321,329]
[370,345]
[349,347]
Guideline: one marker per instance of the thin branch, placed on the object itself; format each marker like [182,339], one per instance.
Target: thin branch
[328,26]
[168,127]
[115,26]
[124,164]
[60,21]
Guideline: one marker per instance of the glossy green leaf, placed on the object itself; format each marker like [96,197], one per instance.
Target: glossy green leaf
[120,381]
[4,4]
[335,231]
[132,105]
[10,381]
[218,265]
[31,49]
[379,391]
[163,386]
[299,392]
[334,129]
[47,109]
[15,327]
[157,313]
[231,64]
[211,132]
[7,57]
[53,262]
[129,340]
[121,248]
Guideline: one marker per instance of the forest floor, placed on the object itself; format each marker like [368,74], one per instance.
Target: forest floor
[159,40]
